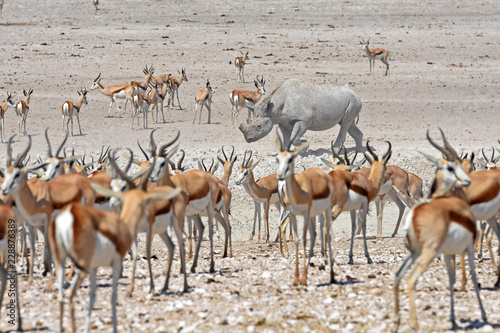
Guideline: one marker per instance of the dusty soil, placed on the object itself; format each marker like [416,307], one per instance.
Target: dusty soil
[444,72]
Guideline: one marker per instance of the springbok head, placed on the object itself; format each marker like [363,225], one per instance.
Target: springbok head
[286,156]
[449,171]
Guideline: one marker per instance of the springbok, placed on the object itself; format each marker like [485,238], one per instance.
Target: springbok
[122,91]
[93,238]
[440,224]
[175,84]
[309,194]
[3,108]
[204,98]
[22,110]
[248,98]
[68,109]
[376,54]
[239,63]
[263,191]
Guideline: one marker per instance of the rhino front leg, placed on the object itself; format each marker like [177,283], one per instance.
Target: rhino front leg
[286,133]
[299,129]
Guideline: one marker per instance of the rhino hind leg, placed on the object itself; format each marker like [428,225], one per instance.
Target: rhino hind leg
[357,135]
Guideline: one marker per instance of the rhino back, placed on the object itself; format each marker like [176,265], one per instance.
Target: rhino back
[321,106]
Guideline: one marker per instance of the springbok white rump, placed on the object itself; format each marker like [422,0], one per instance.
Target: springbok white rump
[297,107]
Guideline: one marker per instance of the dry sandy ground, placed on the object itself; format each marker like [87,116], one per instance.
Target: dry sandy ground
[444,72]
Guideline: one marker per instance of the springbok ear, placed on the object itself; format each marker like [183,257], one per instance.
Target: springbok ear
[277,142]
[328,163]
[255,164]
[163,195]
[105,192]
[216,166]
[430,158]
[302,147]
[33,167]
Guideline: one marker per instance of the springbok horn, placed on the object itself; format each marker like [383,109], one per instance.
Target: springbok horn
[291,140]
[223,153]
[21,157]
[231,157]
[130,161]
[335,154]
[204,166]
[388,153]
[152,144]
[244,158]
[277,141]
[484,155]
[146,155]
[375,157]
[120,172]
[435,145]
[449,148]
[48,143]
[179,164]
[9,150]
[161,151]
[62,144]
[249,159]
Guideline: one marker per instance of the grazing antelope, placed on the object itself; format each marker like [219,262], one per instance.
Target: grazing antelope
[22,110]
[3,108]
[309,194]
[94,238]
[248,98]
[239,63]
[96,5]
[141,87]
[376,54]
[68,109]
[354,191]
[201,187]
[122,91]
[263,191]
[440,224]
[204,98]
[175,84]
[1,8]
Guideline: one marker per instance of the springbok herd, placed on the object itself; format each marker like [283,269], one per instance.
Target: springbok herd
[91,209]
[70,200]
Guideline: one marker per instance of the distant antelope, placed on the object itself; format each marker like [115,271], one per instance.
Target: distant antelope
[142,87]
[376,54]
[121,91]
[3,108]
[240,62]
[142,102]
[166,90]
[204,98]
[22,109]
[1,7]
[248,98]
[175,84]
[96,5]
[69,107]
